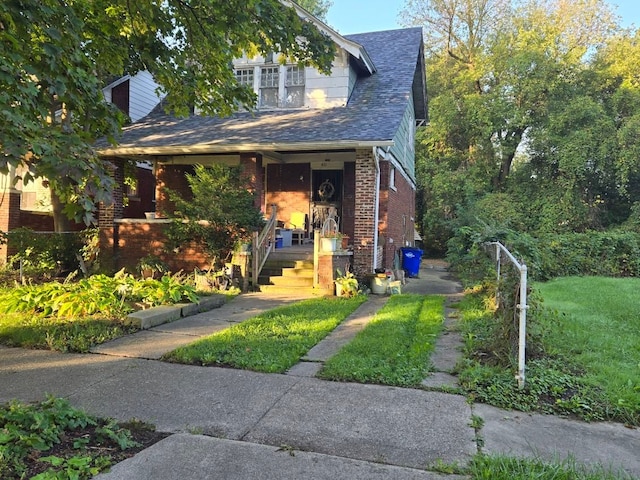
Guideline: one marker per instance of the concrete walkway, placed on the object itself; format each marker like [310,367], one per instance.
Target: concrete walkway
[233,424]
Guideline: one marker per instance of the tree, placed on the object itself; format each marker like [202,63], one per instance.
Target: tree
[319,8]
[56,56]
[526,91]
[220,212]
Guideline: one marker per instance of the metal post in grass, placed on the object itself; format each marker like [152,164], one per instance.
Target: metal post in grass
[522,306]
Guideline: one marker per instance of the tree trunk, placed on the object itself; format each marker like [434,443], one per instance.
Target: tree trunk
[61,222]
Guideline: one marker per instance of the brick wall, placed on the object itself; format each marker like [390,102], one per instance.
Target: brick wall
[288,188]
[327,266]
[397,209]
[349,201]
[9,219]
[254,174]
[174,178]
[365,195]
[139,238]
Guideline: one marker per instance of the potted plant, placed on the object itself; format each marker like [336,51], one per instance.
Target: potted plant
[346,284]
[149,265]
[330,236]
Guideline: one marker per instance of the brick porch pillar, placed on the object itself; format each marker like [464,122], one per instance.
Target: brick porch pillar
[9,219]
[365,212]
[107,214]
[252,168]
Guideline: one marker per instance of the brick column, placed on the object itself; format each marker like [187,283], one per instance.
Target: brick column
[365,210]
[252,168]
[108,213]
[9,219]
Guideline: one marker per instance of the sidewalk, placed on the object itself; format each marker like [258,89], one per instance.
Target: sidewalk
[233,424]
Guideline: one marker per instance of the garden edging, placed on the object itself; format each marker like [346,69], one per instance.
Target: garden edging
[152,317]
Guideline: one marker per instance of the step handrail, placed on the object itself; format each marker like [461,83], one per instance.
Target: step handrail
[262,245]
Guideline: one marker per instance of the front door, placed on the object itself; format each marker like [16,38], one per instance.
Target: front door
[326,197]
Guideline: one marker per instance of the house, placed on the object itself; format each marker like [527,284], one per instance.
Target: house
[29,205]
[340,145]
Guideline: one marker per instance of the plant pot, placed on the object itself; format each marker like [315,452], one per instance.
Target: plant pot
[328,244]
[150,215]
[345,242]
[339,290]
[379,285]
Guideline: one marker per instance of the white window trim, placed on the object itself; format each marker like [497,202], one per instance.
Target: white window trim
[392,177]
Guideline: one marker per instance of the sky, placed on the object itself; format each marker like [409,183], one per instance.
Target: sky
[358,16]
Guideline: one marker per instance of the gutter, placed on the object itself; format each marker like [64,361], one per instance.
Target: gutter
[244,147]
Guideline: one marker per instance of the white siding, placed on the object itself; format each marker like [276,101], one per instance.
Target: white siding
[321,91]
[142,95]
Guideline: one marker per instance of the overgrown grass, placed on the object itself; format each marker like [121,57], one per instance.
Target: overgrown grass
[485,467]
[597,328]
[65,335]
[589,330]
[271,342]
[394,348]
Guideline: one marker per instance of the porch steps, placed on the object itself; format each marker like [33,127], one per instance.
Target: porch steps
[285,272]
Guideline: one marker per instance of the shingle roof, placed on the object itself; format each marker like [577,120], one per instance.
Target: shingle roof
[373,113]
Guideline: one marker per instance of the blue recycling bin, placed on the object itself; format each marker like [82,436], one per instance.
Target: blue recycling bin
[411,258]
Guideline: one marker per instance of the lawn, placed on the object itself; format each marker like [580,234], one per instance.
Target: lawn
[599,330]
[394,348]
[583,358]
[271,342]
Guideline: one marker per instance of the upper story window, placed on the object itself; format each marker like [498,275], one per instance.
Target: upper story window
[294,87]
[269,86]
[244,76]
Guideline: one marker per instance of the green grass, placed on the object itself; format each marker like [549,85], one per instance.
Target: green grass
[271,342]
[598,329]
[587,361]
[63,334]
[394,348]
[506,468]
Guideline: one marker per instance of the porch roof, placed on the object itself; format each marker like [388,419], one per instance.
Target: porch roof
[371,117]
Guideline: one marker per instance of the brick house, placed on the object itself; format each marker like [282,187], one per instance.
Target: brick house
[341,145]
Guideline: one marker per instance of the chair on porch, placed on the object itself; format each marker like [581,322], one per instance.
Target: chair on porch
[298,226]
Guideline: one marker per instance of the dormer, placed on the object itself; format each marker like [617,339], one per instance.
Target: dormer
[281,85]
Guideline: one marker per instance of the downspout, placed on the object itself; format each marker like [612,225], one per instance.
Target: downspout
[377,210]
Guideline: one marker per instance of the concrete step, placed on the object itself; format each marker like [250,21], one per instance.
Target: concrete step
[288,290]
[285,281]
[272,263]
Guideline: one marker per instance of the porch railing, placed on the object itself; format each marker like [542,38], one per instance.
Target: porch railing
[262,245]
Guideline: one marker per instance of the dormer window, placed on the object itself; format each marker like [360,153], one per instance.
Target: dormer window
[244,76]
[294,87]
[269,83]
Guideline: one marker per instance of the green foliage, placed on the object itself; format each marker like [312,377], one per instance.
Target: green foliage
[348,283]
[271,342]
[492,467]
[534,112]
[220,214]
[55,58]
[580,362]
[395,347]
[44,255]
[98,294]
[26,429]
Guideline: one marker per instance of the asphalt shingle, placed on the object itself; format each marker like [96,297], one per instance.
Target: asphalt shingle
[373,113]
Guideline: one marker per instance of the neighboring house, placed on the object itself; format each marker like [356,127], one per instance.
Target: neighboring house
[318,145]
[30,205]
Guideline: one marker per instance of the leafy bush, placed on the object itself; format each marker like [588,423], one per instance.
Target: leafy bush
[109,296]
[28,431]
[220,214]
[44,255]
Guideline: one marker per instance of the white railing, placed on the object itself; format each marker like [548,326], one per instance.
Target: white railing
[262,245]
[522,306]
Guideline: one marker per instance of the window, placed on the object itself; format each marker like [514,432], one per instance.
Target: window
[244,76]
[294,87]
[269,82]
[392,178]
